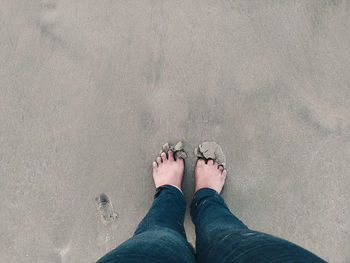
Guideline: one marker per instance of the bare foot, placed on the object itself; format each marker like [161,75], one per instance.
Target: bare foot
[209,175]
[168,170]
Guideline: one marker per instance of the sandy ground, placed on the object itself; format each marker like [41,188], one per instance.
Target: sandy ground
[90,90]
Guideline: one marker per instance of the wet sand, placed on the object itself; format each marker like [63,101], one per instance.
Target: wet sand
[91,90]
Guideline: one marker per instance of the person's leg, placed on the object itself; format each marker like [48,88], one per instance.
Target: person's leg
[222,237]
[160,236]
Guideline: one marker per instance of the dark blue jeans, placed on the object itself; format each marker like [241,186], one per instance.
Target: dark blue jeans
[220,236]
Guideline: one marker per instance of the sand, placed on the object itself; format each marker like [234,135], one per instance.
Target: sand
[211,151]
[90,90]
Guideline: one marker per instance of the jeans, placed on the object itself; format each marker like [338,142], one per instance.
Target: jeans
[220,236]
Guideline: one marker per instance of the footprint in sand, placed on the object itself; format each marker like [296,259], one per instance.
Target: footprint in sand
[105,208]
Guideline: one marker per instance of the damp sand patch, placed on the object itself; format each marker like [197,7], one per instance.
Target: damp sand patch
[211,151]
[105,208]
[177,149]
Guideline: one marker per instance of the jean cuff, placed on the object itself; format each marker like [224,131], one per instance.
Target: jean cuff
[178,188]
[170,187]
[203,193]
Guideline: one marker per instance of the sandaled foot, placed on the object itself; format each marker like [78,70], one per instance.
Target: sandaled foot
[167,170]
[209,175]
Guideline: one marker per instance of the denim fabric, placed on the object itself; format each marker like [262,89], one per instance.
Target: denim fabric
[220,236]
[168,210]
[160,237]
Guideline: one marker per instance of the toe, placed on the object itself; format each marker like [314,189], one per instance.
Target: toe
[159,160]
[180,159]
[170,155]
[210,162]
[216,165]
[224,173]
[163,155]
[155,165]
[221,168]
[200,162]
